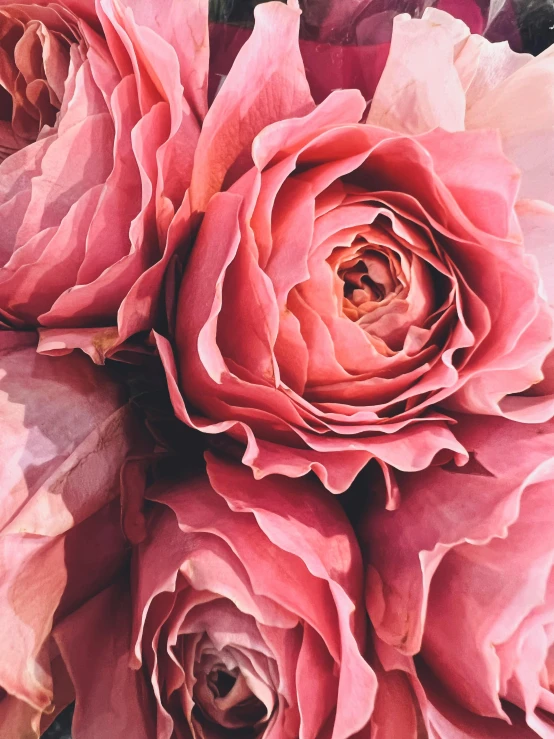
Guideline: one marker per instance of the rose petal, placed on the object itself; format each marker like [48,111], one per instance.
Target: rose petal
[266,84]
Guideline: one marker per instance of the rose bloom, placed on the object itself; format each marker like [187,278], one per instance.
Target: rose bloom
[95,108]
[65,430]
[244,617]
[352,282]
[462,574]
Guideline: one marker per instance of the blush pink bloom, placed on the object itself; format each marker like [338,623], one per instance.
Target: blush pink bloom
[463,573]
[244,617]
[352,283]
[93,119]
[65,430]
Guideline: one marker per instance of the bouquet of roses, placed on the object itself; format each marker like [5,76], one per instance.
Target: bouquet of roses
[276,371]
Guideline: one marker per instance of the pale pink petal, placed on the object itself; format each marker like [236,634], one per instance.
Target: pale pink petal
[526,131]
[185,28]
[420,88]
[488,84]
[537,221]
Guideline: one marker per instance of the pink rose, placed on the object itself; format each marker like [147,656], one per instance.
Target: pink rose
[94,120]
[65,430]
[352,283]
[463,573]
[244,616]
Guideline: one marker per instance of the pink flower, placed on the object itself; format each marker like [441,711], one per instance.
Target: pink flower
[244,616]
[94,119]
[463,573]
[65,429]
[352,282]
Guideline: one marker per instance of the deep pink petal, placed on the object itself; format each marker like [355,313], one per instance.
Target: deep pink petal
[300,536]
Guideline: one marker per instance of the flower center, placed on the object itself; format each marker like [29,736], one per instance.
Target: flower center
[221,682]
[225,698]
[369,278]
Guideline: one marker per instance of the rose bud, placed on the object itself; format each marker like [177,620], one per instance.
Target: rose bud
[353,283]
[65,430]
[462,573]
[244,616]
[94,112]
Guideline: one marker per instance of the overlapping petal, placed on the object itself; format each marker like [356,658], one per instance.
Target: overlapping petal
[411,703]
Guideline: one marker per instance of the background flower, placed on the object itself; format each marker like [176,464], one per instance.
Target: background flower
[94,119]
[244,615]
